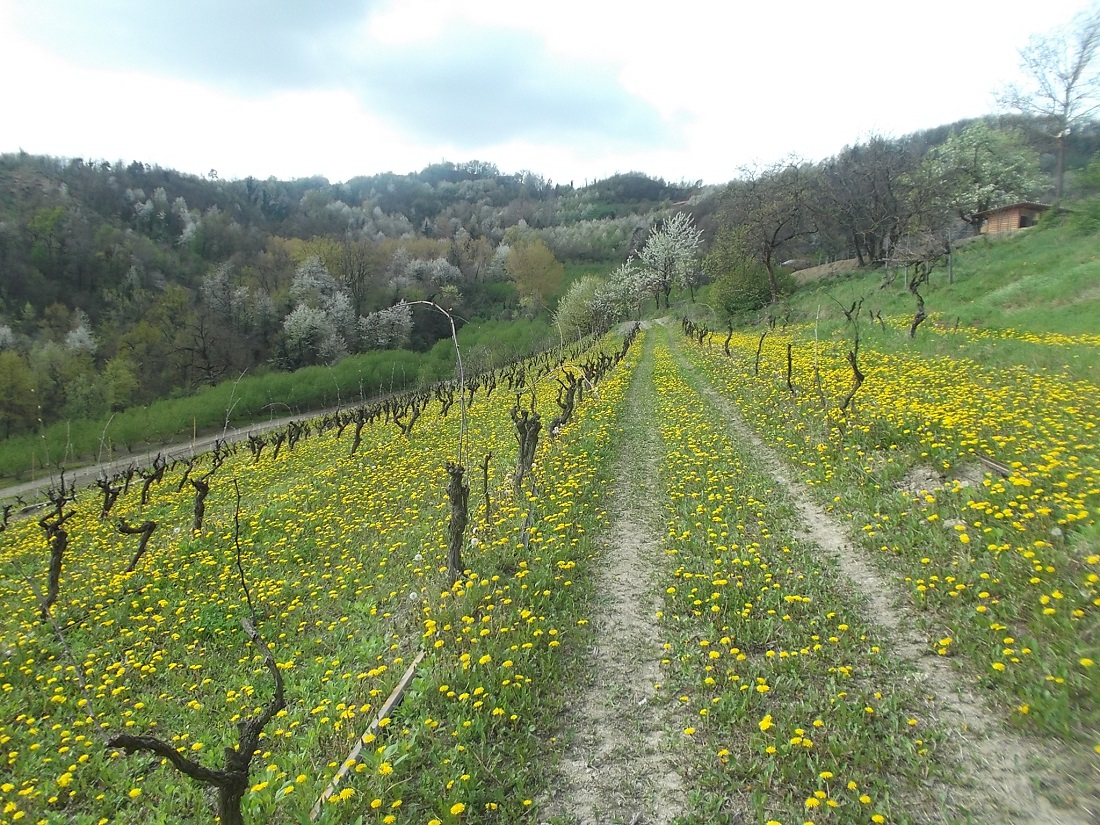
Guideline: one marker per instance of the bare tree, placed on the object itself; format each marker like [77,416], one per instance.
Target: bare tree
[765,212]
[864,196]
[922,251]
[1062,80]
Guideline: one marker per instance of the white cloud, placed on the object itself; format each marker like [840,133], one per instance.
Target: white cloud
[574,90]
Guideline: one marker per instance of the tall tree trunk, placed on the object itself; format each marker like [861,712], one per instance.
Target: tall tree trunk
[773,286]
[1061,177]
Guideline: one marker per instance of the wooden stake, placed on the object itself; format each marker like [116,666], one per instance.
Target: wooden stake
[390,704]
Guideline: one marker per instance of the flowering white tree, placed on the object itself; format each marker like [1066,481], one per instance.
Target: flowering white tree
[577,314]
[308,338]
[80,337]
[626,291]
[315,289]
[593,305]
[668,257]
[387,328]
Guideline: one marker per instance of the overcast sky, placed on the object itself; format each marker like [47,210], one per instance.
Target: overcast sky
[573,90]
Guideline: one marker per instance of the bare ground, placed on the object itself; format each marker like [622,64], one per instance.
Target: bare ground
[619,765]
[999,770]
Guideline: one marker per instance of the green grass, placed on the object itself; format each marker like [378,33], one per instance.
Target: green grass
[1044,280]
[1014,301]
[791,699]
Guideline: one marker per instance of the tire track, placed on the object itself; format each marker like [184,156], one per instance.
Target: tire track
[619,765]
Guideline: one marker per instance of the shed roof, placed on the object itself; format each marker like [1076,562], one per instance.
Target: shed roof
[1018,205]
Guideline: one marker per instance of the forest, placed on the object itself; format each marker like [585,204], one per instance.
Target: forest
[122,283]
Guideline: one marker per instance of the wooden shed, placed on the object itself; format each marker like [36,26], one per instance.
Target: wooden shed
[1014,216]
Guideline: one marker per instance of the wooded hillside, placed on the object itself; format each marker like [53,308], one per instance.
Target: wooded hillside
[124,282]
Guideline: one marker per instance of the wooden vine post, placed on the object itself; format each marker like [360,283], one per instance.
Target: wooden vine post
[58,539]
[790,386]
[384,712]
[458,491]
[202,490]
[485,485]
[920,276]
[152,476]
[759,349]
[110,495]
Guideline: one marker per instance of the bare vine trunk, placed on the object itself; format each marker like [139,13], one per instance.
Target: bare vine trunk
[528,426]
[458,491]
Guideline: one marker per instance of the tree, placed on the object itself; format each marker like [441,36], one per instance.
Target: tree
[863,196]
[1062,80]
[308,338]
[577,314]
[740,283]
[982,168]
[765,212]
[668,257]
[120,383]
[388,328]
[623,294]
[534,268]
[17,397]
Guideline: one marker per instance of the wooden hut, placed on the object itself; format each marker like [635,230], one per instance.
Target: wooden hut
[1014,216]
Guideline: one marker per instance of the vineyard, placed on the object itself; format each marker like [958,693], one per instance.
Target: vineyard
[383,615]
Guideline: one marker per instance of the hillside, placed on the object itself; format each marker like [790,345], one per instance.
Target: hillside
[124,284]
[1043,280]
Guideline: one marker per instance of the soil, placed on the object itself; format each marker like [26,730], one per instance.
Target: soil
[814,273]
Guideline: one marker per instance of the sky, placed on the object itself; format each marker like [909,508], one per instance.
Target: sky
[573,90]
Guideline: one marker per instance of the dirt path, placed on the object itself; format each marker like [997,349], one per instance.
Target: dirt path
[619,766]
[999,769]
